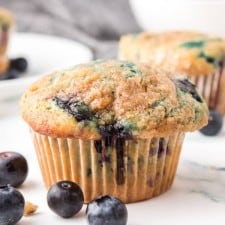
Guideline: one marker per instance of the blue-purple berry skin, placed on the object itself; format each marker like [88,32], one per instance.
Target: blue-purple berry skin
[214,125]
[13,168]
[65,198]
[106,210]
[11,205]
[19,64]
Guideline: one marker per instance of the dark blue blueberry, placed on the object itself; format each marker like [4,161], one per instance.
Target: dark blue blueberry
[98,146]
[19,64]
[65,198]
[79,110]
[11,205]
[106,210]
[162,147]
[214,125]
[115,129]
[186,86]
[13,168]
[107,130]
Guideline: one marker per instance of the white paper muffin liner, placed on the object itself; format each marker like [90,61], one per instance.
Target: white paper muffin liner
[140,170]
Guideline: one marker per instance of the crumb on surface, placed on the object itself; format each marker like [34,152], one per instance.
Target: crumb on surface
[29,208]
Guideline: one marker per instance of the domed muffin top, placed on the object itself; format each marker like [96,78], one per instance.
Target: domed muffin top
[6,18]
[110,97]
[189,53]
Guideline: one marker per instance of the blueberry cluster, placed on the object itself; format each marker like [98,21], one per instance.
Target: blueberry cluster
[65,198]
[82,112]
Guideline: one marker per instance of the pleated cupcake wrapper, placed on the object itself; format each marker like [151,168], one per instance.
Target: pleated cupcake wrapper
[211,88]
[144,168]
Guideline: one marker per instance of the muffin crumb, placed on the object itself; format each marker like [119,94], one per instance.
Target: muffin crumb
[29,208]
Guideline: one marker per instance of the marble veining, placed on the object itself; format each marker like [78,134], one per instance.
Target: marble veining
[207,181]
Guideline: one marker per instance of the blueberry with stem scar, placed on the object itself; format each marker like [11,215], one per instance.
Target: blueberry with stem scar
[106,210]
[65,198]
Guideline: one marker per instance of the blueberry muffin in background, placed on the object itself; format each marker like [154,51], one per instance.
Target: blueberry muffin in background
[6,24]
[113,127]
[198,56]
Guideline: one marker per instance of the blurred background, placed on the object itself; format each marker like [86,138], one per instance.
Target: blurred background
[100,23]
[97,24]
[54,34]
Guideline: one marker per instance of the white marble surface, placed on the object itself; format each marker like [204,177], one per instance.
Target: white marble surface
[196,197]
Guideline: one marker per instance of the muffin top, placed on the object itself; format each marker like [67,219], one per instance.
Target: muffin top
[188,53]
[112,97]
[6,19]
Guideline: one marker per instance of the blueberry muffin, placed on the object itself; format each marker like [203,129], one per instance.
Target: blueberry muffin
[198,56]
[6,23]
[112,126]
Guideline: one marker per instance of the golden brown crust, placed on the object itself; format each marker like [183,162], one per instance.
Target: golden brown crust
[144,100]
[190,53]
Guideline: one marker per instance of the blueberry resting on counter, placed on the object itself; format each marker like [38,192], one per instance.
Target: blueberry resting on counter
[106,210]
[65,198]
[11,205]
[13,169]
[214,125]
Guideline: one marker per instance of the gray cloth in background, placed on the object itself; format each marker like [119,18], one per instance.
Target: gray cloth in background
[96,23]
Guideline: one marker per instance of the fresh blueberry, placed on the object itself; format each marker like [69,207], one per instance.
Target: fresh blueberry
[11,205]
[19,64]
[106,210]
[13,169]
[65,198]
[214,125]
